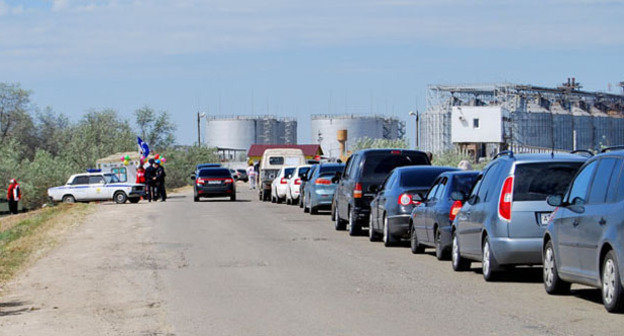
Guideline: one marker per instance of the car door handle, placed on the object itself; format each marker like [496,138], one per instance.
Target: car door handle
[602,221]
[576,223]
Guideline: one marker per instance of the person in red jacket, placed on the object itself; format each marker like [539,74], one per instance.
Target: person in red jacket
[140,175]
[14,195]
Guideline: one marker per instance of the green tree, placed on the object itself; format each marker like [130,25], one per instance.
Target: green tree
[155,128]
[365,143]
[96,135]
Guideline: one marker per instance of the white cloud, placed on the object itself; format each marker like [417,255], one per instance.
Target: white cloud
[79,32]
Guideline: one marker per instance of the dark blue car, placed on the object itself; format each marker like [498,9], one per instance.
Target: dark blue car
[392,206]
[431,221]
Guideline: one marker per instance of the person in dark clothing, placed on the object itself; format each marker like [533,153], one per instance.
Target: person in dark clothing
[14,194]
[160,181]
[150,180]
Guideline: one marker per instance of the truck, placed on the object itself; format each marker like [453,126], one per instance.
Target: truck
[272,161]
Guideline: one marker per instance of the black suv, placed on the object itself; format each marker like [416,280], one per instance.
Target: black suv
[365,169]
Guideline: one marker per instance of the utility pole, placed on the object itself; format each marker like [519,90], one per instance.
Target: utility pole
[417,115]
[199,116]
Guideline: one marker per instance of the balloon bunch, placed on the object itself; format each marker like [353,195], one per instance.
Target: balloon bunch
[125,160]
[159,159]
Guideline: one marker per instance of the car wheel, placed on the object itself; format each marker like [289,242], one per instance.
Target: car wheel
[195,199]
[441,253]
[488,263]
[415,246]
[233,197]
[69,199]
[306,209]
[288,201]
[552,283]
[388,239]
[120,197]
[301,200]
[339,224]
[612,296]
[354,228]
[372,235]
[459,263]
[134,200]
[313,210]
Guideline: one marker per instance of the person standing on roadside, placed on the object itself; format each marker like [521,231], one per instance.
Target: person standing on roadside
[140,178]
[251,174]
[14,195]
[160,181]
[150,180]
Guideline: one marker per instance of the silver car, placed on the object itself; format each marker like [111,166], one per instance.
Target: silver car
[503,220]
[584,243]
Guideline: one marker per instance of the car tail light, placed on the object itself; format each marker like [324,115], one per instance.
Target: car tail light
[322,181]
[506,197]
[457,205]
[284,180]
[357,190]
[405,199]
[200,181]
[228,180]
[298,181]
[395,152]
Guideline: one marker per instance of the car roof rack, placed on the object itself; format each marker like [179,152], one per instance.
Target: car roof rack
[586,151]
[507,152]
[611,148]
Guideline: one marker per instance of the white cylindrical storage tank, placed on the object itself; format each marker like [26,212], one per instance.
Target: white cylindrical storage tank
[325,127]
[230,132]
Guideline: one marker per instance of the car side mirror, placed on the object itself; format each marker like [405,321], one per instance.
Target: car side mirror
[193,177]
[458,196]
[472,200]
[555,200]
[577,205]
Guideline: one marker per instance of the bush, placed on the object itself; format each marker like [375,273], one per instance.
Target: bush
[365,143]
[181,164]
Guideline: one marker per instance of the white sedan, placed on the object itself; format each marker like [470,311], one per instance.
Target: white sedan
[279,186]
[96,187]
[294,184]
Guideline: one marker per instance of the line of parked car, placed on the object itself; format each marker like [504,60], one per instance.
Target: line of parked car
[562,211]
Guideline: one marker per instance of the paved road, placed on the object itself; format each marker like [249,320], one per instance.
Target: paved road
[252,268]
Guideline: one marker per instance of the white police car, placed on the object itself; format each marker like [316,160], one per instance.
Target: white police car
[96,186]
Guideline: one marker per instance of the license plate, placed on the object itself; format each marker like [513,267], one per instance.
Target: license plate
[214,182]
[545,218]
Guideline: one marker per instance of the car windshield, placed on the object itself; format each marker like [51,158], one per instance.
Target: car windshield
[111,178]
[276,160]
[330,170]
[378,165]
[215,173]
[463,183]
[535,181]
[303,170]
[419,178]
[288,171]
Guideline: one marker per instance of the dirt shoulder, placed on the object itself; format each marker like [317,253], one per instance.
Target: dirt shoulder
[102,280]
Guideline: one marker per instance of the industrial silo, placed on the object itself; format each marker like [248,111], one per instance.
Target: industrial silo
[435,134]
[563,125]
[325,127]
[583,128]
[237,132]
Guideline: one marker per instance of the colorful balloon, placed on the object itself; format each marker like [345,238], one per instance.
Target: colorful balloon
[157,156]
[126,162]
[127,158]
[163,160]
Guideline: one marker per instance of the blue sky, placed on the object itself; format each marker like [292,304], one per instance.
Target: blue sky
[288,57]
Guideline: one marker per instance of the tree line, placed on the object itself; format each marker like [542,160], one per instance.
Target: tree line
[42,147]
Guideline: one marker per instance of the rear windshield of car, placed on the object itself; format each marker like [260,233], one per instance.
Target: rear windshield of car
[288,171]
[276,160]
[214,173]
[419,178]
[535,181]
[330,170]
[464,183]
[303,170]
[377,166]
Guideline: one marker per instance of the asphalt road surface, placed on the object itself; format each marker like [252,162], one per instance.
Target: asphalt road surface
[252,268]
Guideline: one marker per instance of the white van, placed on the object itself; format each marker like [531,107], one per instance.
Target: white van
[272,161]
